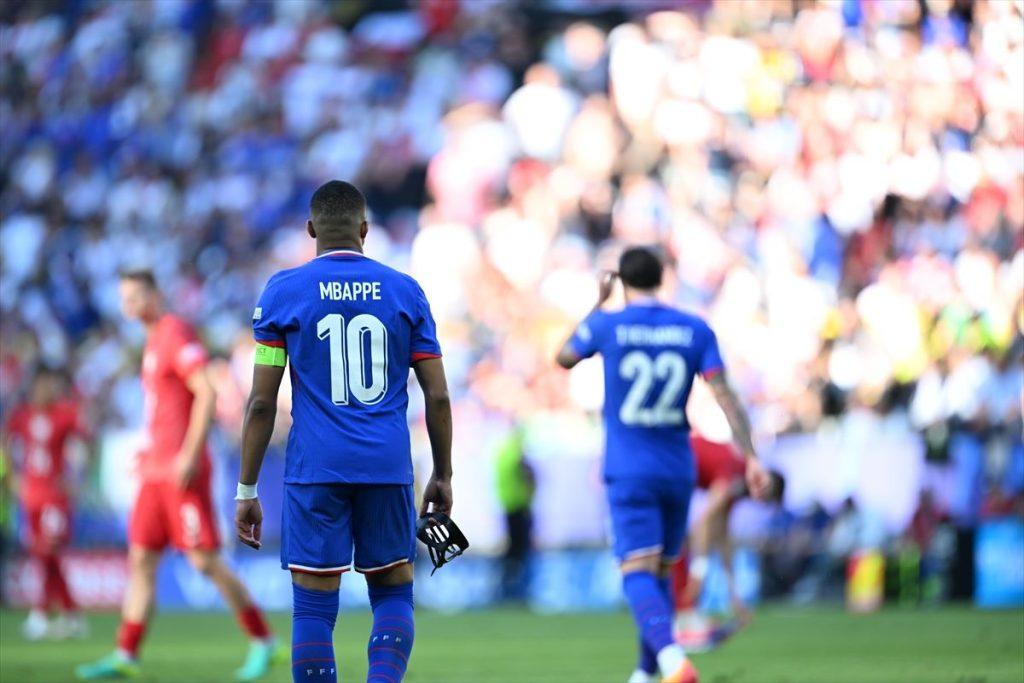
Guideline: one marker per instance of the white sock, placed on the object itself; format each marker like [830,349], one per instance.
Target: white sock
[640,676]
[670,659]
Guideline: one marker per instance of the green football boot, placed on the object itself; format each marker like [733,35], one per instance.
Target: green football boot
[113,666]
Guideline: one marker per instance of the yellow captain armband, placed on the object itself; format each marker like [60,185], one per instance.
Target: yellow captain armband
[271,355]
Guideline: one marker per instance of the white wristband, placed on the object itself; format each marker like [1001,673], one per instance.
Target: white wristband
[245,492]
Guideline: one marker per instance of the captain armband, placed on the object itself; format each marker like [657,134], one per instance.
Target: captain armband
[271,355]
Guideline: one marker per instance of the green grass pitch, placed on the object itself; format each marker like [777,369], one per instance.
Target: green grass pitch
[783,645]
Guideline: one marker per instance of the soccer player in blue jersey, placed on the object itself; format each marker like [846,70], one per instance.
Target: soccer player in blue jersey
[349,329]
[652,353]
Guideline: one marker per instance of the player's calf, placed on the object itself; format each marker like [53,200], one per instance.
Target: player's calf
[391,638]
[313,617]
[262,645]
[648,597]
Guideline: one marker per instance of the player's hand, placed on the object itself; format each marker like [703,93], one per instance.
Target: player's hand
[439,492]
[249,522]
[186,467]
[758,480]
[605,285]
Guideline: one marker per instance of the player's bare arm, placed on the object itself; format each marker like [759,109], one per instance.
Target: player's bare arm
[758,479]
[203,405]
[430,374]
[567,357]
[257,428]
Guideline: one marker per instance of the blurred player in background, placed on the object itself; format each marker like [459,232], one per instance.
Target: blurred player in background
[721,472]
[174,504]
[351,328]
[39,435]
[652,352]
[516,483]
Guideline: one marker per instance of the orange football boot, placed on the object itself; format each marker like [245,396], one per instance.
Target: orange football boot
[687,673]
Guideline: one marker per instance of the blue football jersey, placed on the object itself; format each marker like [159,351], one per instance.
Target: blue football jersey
[651,353]
[351,328]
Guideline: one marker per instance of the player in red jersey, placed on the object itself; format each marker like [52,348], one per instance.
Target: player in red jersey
[721,473]
[39,433]
[174,506]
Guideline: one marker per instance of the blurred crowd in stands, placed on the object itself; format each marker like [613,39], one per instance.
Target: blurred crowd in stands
[837,185]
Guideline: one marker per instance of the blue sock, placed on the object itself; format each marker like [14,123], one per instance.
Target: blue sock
[651,609]
[648,659]
[313,618]
[393,630]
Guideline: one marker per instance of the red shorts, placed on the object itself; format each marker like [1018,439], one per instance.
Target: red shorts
[49,524]
[166,514]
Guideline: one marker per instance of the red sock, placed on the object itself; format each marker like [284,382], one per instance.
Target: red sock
[57,585]
[680,577]
[252,622]
[129,637]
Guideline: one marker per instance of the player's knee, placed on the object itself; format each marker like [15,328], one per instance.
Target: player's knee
[205,563]
[646,563]
[392,576]
[143,562]
[316,582]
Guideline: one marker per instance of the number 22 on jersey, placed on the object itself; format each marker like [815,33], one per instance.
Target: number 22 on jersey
[639,367]
[347,344]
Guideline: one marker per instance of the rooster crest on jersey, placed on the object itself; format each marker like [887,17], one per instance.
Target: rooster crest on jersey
[443,539]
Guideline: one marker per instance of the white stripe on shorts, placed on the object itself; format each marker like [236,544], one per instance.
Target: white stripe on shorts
[364,570]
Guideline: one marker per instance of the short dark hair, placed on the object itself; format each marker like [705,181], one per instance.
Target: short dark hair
[337,205]
[640,268]
[142,276]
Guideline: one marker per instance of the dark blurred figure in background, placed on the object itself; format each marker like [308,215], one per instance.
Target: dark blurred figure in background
[925,552]
[516,484]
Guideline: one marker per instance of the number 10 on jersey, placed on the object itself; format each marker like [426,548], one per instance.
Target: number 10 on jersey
[349,362]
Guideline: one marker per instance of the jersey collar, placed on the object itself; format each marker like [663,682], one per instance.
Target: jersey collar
[341,252]
[645,301]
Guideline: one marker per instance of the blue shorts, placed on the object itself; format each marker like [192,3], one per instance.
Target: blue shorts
[649,516]
[323,525]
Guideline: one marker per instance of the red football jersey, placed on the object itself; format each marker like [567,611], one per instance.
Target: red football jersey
[173,352]
[716,462]
[40,435]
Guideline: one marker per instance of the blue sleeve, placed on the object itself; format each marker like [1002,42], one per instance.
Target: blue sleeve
[424,330]
[267,319]
[586,340]
[711,359]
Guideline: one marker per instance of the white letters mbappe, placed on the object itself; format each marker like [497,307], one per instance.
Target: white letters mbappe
[350,291]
